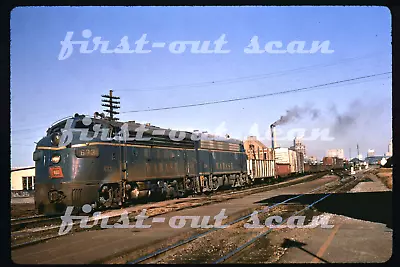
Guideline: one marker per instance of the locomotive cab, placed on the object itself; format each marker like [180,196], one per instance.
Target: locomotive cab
[67,166]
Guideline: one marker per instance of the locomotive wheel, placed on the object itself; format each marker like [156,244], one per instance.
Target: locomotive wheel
[215,183]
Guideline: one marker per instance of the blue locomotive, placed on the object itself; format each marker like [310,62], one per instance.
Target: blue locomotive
[105,163]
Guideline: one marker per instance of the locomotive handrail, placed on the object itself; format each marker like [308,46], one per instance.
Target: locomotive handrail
[68,117]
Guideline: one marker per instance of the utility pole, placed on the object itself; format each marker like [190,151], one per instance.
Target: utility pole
[108,100]
[349,153]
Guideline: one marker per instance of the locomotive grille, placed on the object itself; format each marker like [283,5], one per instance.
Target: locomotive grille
[76,196]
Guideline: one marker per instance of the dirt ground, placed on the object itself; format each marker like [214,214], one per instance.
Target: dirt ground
[385,175]
[22,210]
[210,248]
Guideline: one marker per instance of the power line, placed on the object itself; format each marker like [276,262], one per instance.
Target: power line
[24,139]
[245,78]
[233,80]
[18,144]
[259,96]
[356,82]
[28,129]
[43,127]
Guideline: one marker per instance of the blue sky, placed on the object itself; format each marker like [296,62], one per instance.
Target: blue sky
[44,89]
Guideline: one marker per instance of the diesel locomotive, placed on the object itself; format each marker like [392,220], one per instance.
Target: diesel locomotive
[106,163]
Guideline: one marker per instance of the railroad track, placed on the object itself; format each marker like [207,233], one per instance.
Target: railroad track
[34,221]
[164,252]
[27,218]
[45,233]
[242,248]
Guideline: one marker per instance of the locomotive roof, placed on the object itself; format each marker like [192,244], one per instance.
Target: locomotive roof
[132,126]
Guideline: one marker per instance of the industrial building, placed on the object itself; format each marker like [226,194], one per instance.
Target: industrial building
[338,153]
[23,178]
[370,153]
[312,159]
[299,146]
[390,149]
[255,149]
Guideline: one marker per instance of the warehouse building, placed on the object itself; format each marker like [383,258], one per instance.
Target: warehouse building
[390,149]
[299,146]
[23,179]
[255,149]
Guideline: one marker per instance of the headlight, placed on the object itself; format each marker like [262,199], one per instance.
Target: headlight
[55,158]
[87,152]
[55,138]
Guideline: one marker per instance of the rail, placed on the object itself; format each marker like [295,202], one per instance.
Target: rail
[197,236]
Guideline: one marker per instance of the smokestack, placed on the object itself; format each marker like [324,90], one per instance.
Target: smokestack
[273,136]
[358,151]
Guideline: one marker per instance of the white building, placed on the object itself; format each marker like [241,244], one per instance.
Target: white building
[371,153]
[23,178]
[312,159]
[390,149]
[299,146]
[335,153]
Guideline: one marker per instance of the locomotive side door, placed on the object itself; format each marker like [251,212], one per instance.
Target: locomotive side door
[123,154]
[211,156]
[212,160]
[185,170]
[185,163]
[123,167]
[242,162]
[124,161]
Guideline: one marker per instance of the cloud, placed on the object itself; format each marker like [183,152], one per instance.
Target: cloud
[221,130]
[254,131]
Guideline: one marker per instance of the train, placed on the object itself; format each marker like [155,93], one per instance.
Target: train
[106,163]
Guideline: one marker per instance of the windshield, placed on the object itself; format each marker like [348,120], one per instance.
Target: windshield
[57,127]
[80,125]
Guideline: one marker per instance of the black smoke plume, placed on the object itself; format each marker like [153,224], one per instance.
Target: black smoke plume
[343,122]
[296,113]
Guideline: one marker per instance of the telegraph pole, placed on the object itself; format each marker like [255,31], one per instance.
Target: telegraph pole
[111,104]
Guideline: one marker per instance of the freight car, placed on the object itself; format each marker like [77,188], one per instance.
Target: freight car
[260,160]
[258,169]
[328,163]
[288,162]
[314,168]
[333,163]
[108,169]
